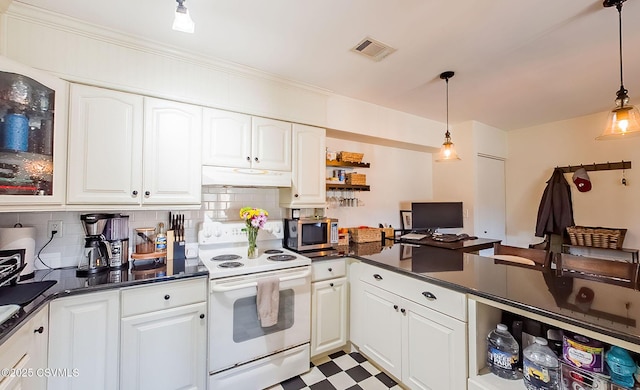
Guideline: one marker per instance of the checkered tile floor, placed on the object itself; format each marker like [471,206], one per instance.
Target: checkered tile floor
[340,371]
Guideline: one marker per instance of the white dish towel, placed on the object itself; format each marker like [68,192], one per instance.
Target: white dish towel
[268,300]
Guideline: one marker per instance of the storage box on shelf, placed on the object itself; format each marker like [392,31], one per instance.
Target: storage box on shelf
[356,179]
[353,181]
[350,157]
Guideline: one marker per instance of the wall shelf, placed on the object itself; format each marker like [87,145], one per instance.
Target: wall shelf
[347,187]
[336,163]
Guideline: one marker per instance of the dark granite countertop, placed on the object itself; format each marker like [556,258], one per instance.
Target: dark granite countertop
[67,283]
[614,311]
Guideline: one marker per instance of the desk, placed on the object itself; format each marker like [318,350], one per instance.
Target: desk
[461,246]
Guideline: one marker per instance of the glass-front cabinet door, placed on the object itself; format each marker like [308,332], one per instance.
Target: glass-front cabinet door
[33,121]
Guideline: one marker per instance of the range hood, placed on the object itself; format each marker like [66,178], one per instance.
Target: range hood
[244,177]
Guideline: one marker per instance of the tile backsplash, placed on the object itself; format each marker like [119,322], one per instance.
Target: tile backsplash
[219,203]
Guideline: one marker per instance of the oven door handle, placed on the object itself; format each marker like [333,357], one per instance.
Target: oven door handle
[223,288]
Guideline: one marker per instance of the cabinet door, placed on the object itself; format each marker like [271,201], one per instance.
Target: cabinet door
[328,315]
[165,349]
[105,146]
[33,143]
[270,144]
[26,351]
[172,153]
[308,187]
[381,338]
[226,139]
[83,335]
[434,349]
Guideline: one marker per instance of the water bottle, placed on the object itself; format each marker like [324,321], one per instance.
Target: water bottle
[540,366]
[502,353]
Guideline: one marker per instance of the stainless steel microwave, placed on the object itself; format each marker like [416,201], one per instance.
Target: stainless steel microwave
[310,233]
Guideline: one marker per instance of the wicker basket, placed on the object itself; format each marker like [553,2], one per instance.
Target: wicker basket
[359,179]
[350,157]
[596,237]
[365,235]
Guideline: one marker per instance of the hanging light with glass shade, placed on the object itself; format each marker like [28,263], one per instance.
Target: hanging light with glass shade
[624,120]
[182,20]
[447,151]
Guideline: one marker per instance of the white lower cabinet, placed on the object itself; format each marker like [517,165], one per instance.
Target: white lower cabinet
[163,342]
[328,306]
[165,349]
[84,334]
[25,353]
[415,342]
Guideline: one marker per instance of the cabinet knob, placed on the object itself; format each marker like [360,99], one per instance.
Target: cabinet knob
[39,330]
[330,269]
[295,195]
[395,307]
[166,297]
[248,158]
[377,277]
[201,316]
[330,284]
[429,295]
[256,159]
[147,193]
[403,311]
[134,193]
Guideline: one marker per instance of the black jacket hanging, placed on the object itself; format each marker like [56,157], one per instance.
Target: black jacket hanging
[556,209]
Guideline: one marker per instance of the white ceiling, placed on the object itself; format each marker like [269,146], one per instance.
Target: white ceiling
[518,63]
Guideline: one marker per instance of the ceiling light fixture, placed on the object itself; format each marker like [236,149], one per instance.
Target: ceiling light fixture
[624,120]
[447,151]
[182,21]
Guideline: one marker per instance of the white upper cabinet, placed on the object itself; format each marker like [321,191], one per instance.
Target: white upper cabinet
[271,144]
[126,149]
[33,140]
[105,146]
[226,139]
[241,141]
[242,150]
[308,187]
[172,159]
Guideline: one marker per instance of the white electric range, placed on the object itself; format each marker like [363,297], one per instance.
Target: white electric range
[242,353]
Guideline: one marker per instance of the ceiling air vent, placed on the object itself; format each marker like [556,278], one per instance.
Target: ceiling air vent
[372,49]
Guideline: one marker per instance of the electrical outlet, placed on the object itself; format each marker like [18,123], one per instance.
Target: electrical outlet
[55,225]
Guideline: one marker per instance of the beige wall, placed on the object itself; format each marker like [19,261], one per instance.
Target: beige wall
[534,152]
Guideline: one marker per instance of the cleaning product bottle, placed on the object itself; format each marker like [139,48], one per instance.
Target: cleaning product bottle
[502,353]
[540,368]
[161,239]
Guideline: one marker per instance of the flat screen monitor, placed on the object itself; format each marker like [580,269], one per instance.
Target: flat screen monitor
[436,215]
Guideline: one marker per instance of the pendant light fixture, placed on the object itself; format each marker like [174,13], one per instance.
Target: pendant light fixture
[182,21]
[447,151]
[624,120]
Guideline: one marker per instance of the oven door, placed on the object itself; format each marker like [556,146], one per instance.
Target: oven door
[235,334]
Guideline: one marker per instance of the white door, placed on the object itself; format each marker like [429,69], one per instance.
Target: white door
[434,350]
[309,158]
[328,315]
[83,335]
[166,349]
[490,208]
[34,161]
[270,144]
[226,139]
[105,146]
[381,338]
[172,152]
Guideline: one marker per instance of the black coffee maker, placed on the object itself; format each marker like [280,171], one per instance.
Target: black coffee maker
[97,249]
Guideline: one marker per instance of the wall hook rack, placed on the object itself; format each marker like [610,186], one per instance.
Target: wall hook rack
[608,166]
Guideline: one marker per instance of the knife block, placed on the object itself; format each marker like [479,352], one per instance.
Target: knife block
[175,254]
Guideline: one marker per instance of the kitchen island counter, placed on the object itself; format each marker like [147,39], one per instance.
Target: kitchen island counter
[67,284]
[614,310]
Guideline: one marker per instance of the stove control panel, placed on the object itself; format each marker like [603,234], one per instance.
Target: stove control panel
[212,232]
